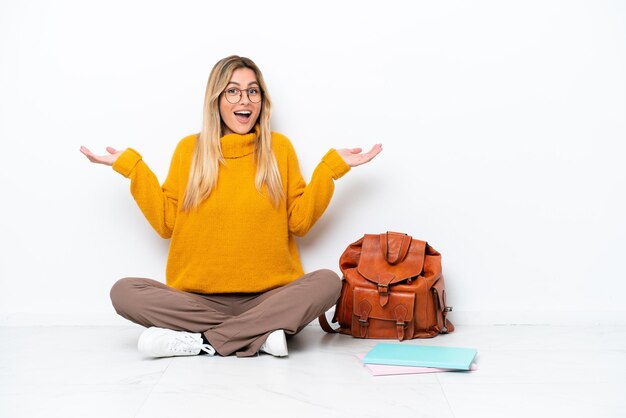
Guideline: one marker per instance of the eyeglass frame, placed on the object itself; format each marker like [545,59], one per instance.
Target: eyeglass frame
[241,94]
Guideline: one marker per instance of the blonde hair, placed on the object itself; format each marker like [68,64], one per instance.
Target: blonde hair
[207,155]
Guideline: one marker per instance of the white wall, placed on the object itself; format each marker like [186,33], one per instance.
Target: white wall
[501,124]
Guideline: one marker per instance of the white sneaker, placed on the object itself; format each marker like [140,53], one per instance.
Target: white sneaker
[276,344]
[161,342]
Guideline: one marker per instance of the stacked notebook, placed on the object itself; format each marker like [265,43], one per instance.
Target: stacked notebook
[385,359]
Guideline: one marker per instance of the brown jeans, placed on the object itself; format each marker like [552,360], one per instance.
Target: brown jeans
[234,322]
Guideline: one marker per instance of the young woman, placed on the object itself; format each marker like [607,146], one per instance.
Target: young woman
[232,203]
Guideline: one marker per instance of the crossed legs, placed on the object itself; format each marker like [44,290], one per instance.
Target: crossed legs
[232,323]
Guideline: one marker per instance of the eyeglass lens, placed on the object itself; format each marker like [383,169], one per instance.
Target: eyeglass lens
[233,95]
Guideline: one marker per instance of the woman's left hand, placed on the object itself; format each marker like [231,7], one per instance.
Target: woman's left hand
[355,156]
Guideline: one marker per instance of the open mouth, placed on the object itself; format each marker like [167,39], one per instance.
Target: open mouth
[243,116]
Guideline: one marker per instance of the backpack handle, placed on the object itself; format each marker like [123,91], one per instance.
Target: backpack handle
[398,252]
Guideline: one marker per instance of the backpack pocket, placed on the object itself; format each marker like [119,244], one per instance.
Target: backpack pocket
[394,320]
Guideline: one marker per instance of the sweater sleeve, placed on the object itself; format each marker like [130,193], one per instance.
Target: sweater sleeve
[159,204]
[306,203]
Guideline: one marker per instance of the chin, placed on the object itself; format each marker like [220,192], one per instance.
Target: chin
[238,130]
[245,130]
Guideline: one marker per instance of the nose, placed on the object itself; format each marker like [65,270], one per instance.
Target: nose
[244,97]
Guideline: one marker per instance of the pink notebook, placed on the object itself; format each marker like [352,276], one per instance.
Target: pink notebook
[382,370]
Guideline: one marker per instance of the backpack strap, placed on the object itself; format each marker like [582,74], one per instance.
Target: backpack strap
[401,313]
[325,325]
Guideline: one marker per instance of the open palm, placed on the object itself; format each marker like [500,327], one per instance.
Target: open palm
[108,159]
[355,156]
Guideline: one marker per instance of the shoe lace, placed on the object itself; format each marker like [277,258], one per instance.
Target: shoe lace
[187,343]
[208,349]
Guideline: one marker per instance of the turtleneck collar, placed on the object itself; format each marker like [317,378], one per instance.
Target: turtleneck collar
[237,146]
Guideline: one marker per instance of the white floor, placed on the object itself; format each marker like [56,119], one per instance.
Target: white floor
[523,371]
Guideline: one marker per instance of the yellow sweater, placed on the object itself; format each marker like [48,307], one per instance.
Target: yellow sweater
[236,240]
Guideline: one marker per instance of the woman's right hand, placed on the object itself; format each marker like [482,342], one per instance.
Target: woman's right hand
[102,159]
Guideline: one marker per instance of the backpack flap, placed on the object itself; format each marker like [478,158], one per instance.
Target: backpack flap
[390,258]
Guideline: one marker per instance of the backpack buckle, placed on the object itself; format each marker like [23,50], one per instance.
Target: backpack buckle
[383,289]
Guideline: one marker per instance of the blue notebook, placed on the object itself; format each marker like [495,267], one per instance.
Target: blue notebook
[421,355]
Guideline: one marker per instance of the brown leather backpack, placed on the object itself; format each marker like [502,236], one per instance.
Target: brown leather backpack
[392,288]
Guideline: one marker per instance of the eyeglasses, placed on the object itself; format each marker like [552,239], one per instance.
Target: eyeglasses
[233,94]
